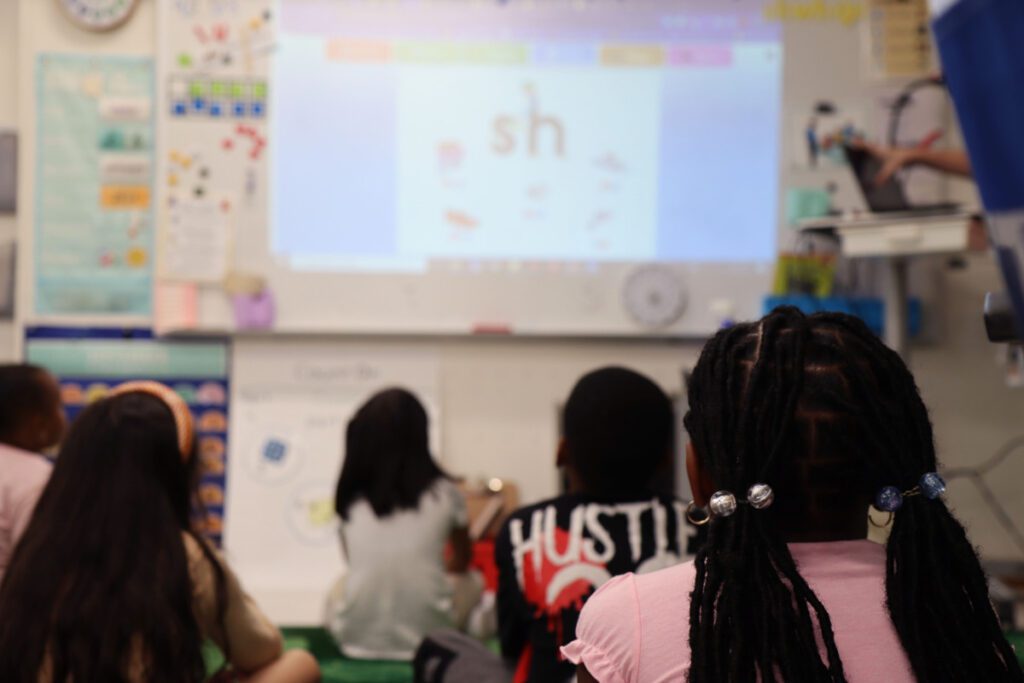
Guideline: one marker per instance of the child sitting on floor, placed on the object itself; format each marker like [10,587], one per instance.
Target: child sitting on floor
[31,421]
[110,582]
[797,425]
[618,433]
[399,511]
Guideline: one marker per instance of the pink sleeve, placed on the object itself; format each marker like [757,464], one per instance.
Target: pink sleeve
[608,633]
[22,510]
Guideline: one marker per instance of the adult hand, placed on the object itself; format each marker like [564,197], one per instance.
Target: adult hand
[892,158]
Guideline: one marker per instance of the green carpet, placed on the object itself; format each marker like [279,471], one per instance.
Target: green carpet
[1016,639]
[334,666]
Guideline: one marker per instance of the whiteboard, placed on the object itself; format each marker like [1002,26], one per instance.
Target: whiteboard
[234,41]
[216,45]
[291,401]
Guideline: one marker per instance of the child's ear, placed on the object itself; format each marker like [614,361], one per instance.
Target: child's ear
[700,478]
[561,456]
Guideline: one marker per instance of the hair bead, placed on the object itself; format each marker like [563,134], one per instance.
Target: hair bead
[760,496]
[722,504]
[932,485]
[889,499]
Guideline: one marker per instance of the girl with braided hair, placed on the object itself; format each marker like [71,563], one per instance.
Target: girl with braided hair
[797,424]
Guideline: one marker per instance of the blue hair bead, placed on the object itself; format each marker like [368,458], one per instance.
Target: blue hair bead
[932,485]
[889,499]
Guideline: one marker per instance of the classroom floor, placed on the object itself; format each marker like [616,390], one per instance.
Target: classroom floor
[334,666]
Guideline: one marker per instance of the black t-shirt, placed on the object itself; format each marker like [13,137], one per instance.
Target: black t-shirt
[551,558]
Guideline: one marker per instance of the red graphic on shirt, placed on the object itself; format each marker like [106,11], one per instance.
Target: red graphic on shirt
[557,587]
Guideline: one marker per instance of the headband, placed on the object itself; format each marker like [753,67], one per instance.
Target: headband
[175,403]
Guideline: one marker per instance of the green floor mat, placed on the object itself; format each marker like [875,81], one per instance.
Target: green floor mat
[334,666]
[1016,639]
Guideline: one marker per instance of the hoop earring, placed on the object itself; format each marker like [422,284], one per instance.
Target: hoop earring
[690,509]
[872,522]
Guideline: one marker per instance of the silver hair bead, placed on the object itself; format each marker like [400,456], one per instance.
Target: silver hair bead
[722,504]
[760,496]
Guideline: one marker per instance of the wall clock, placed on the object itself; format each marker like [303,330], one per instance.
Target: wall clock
[654,296]
[98,15]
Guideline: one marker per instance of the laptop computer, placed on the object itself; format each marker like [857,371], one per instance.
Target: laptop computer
[889,197]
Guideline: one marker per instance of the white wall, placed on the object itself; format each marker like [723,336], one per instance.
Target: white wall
[8,120]
[501,395]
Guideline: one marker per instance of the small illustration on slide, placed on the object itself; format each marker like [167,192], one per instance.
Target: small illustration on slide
[460,222]
[450,155]
[537,192]
[610,162]
[598,219]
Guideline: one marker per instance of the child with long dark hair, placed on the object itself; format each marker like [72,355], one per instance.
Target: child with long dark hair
[798,424]
[398,512]
[31,421]
[110,583]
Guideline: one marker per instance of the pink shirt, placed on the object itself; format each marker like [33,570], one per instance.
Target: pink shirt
[22,478]
[635,629]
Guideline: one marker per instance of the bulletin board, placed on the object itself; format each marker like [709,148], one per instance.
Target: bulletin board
[94,220]
[212,103]
[291,401]
[89,362]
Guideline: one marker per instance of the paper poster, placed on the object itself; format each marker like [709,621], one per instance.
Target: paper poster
[94,206]
[89,363]
[175,307]
[212,109]
[897,39]
[290,408]
[196,238]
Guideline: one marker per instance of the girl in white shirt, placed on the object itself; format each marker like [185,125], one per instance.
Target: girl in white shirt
[398,513]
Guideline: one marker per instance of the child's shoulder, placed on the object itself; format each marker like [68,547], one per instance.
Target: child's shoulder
[28,469]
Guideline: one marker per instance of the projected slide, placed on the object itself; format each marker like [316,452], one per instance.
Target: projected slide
[408,132]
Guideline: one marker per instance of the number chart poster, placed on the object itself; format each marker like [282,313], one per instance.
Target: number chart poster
[94,206]
[88,364]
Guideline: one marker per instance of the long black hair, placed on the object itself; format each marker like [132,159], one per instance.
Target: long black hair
[821,410]
[387,455]
[99,586]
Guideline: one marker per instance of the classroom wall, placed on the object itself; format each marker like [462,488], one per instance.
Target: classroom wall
[8,119]
[500,396]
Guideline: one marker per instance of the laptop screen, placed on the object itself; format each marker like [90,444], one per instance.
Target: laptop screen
[884,198]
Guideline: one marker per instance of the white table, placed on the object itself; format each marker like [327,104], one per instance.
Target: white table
[896,238]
